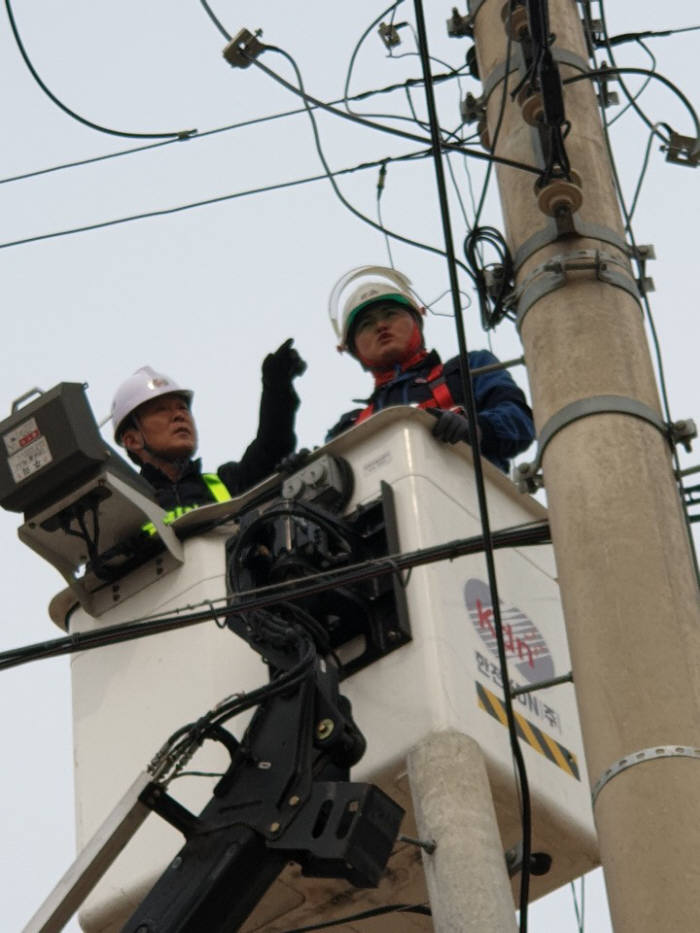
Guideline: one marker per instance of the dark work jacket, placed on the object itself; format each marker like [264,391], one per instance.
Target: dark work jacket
[275,439]
[505,419]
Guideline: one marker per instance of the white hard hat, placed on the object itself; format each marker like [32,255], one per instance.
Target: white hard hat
[144,385]
[377,283]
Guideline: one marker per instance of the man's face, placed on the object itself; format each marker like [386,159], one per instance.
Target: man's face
[383,334]
[166,426]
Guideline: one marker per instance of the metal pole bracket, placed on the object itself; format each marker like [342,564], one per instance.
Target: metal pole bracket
[528,477]
[552,274]
[637,758]
[683,150]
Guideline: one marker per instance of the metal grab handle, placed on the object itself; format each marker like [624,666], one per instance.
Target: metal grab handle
[23,398]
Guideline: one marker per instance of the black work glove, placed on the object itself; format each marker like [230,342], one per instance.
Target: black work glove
[280,367]
[451,427]
[293,462]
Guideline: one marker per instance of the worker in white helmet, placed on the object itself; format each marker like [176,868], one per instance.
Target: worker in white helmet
[152,419]
[380,323]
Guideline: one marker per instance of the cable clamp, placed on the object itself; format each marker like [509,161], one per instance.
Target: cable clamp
[389,34]
[472,109]
[637,758]
[243,48]
[459,26]
[552,274]
[683,150]
[684,432]
[527,476]
[606,97]
[562,226]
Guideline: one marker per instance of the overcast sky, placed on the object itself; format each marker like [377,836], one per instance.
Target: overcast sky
[205,293]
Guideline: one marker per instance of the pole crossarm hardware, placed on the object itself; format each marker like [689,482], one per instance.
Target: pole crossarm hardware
[638,758]
[527,475]
[564,225]
[552,274]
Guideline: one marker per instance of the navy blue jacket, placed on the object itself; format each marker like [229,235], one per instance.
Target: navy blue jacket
[505,419]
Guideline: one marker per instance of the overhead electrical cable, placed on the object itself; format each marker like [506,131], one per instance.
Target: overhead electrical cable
[358,46]
[499,120]
[242,124]
[164,212]
[532,533]
[606,72]
[646,304]
[633,103]
[647,34]
[179,134]
[642,89]
[215,20]
[413,137]
[470,406]
[339,194]
[642,174]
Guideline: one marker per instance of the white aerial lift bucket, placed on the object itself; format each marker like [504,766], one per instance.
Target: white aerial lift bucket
[129,697]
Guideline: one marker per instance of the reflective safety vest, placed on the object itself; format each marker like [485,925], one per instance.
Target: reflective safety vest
[216,487]
[440,395]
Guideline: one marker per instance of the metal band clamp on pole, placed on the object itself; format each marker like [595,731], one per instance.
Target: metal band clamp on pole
[637,758]
[552,274]
[526,474]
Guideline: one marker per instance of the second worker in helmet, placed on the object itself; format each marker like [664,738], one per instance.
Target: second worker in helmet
[381,326]
[152,420]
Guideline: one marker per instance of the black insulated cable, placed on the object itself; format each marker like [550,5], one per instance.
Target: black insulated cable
[465,377]
[402,134]
[178,134]
[518,536]
[100,225]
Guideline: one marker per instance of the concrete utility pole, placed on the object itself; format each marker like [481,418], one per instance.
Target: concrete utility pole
[625,568]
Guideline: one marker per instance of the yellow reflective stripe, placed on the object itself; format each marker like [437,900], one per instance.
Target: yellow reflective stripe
[216,487]
[150,529]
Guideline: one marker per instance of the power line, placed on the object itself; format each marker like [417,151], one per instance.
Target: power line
[470,405]
[341,197]
[208,201]
[242,124]
[475,153]
[262,597]
[179,134]
[607,72]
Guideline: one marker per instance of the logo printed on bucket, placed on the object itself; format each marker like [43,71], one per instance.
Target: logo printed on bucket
[525,646]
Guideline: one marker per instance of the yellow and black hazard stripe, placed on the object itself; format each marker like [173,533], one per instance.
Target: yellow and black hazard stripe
[544,744]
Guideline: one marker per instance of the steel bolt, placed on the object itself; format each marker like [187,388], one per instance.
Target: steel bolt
[325,728]
[274,827]
[294,800]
